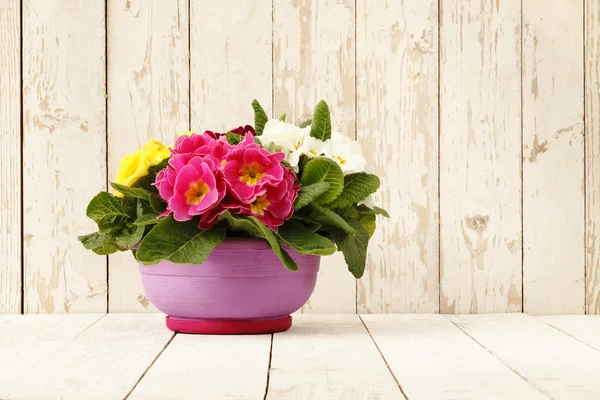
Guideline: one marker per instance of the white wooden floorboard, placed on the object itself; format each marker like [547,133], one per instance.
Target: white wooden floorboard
[555,363]
[103,362]
[582,327]
[26,339]
[328,357]
[208,367]
[433,359]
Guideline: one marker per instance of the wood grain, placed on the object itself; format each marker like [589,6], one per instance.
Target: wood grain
[328,357]
[64,153]
[480,168]
[101,370]
[419,347]
[553,157]
[314,59]
[592,161]
[148,97]
[231,62]
[559,366]
[208,367]
[10,163]
[397,125]
[585,328]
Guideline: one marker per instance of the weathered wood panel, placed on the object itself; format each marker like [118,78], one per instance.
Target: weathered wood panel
[313,59]
[553,157]
[64,154]
[480,167]
[231,61]
[10,162]
[397,125]
[592,161]
[148,97]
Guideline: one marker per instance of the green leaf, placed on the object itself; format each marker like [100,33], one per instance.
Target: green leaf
[147,181]
[136,193]
[354,248]
[313,226]
[322,169]
[260,117]
[240,223]
[375,210]
[368,221]
[179,242]
[234,138]
[92,240]
[306,123]
[129,236]
[325,216]
[309,193]
[321,123]
[356,188]
[146,219]
[154,169]
[305,241]
[105,206]
[108,246]
[269,235]
[282,118]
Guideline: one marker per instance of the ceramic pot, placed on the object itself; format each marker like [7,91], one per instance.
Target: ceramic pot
[242,287]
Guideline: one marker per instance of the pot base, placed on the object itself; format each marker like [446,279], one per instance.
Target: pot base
[228,327]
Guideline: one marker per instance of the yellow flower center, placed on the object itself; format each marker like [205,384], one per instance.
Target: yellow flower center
[342,161]
[260,205]
[251,173]
[196,192]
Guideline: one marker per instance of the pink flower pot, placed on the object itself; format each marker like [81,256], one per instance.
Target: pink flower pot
[242,287]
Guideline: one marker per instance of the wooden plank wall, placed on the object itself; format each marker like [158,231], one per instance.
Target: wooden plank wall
[482,117]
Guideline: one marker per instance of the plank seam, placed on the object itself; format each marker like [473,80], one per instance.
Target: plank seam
[567,334]
[150,366]
[521,165]
[106,162]
[382,356]
[501,361]
[269,367]
[439,166]
[22,139]
[585,192]
[355,117]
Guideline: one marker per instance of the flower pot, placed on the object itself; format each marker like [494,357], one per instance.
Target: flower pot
[241,288]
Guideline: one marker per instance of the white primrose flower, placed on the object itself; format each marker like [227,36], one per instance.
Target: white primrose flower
[284,137]
[346,152]
[368,201]
[312,147]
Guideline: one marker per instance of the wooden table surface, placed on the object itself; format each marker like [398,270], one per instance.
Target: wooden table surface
[429,357]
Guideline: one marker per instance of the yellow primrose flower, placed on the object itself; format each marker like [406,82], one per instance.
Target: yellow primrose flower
[135,165]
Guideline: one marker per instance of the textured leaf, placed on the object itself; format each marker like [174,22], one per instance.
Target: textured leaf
[234,138]
[92,240]
[179,242]
[356,188]
[108,246]
[105,206]
[375,211]
[239,223]
[354,248]
[309,193]
[321,123]
[325,216]
[368,221]
[142,194]
[269,235]
[306,123]
[305,241]
[146,219]
[260,117]
[129,236]
[282,118]
[323,169]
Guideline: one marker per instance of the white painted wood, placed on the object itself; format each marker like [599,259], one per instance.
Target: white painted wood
[231,62]
[64,153]
[433,359]
[592,161]
[10,163]
[148,97]
[397,125]
[103,362]
[585,328]
[208,367]
[480,167]
[554,363]
[553,157]
[313,59]
[328,357]
[27,339]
